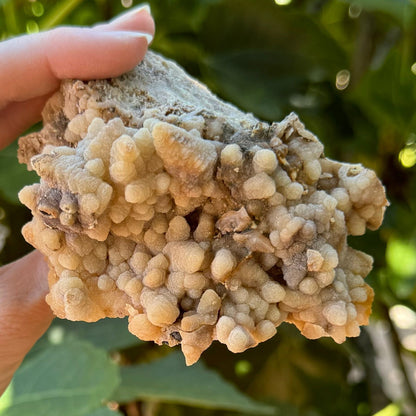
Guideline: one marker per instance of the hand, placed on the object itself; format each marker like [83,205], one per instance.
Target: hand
[32,68]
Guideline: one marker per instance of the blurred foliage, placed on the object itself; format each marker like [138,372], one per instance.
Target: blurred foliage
[348,68]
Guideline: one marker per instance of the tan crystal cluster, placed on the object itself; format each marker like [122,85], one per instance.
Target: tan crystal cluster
[159,202]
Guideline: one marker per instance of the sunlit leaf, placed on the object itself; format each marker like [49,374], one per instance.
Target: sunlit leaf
[391,410]
[109,334]
[401,259]
[70,379]
[401,256]
[10,10]
[169,380]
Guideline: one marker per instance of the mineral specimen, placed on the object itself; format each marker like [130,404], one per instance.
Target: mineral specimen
[159,202]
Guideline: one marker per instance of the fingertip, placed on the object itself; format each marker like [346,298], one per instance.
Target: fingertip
[36,63]
[135,19]
[86,53]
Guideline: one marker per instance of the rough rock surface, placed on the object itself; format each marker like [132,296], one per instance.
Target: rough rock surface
[160,202]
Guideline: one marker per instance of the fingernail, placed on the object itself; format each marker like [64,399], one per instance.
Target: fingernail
[146,7]
[128,14]
[131,34]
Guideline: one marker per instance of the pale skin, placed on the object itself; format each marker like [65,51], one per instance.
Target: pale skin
[31,70]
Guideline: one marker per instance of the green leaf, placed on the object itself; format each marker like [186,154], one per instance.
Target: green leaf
[13,176]
[110,334]
[391,410]
[10,9]
[388,95]
[401,260]
[401,257]
[169,380]
[264,68]
[70,379]
[180,16]
[248,79]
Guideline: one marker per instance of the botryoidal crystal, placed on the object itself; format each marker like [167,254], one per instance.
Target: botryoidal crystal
[160,202]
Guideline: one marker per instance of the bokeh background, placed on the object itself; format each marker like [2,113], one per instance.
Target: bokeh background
[348,68]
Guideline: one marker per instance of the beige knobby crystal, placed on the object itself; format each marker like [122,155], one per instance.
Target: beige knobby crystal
[159,202]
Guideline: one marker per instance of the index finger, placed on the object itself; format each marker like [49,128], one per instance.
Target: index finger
[37,63]
[33,65]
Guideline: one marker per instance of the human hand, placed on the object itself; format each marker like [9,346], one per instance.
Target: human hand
[33,66]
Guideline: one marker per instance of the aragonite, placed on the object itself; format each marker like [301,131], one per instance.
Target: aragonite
[159,202]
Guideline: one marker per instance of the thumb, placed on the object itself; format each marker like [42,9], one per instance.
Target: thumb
[24,314]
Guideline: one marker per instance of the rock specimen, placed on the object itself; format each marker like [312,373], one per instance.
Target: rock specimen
[199,222]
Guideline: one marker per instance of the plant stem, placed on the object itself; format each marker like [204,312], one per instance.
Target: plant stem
[58,14]
[409,398]
[150,408]
[10,18]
